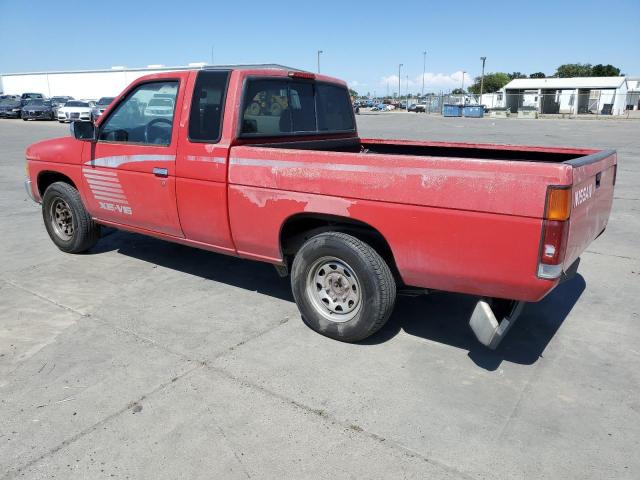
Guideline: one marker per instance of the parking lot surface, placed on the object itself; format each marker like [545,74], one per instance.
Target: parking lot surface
[145,359]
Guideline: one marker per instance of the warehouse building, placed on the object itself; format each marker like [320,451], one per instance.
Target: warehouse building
[575,96]
[82,84]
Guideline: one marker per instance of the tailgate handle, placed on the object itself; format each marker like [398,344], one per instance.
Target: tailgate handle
[598,177]
[160,172]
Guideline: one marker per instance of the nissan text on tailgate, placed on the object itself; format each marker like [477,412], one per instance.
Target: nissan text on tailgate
[264,162]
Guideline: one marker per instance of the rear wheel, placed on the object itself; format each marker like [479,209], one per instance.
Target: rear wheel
[68,223]
[342,286]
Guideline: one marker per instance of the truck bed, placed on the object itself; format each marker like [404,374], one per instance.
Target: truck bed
[374,146]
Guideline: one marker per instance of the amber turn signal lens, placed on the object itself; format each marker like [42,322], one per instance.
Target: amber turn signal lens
[558,204]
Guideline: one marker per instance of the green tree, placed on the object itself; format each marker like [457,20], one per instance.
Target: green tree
[457,91]
[605,71]
[353,93]
[569,70]
[515,75]
[492,83]
[537,75]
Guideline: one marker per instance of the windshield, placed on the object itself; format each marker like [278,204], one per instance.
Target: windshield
[8,101]
[76,104]
[160,102]
[105,100]
[38,102]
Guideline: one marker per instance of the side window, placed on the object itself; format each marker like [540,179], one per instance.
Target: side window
[334,108]
[145,116]
[265,101]
[205,118]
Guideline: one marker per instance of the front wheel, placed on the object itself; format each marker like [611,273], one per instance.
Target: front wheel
[342,286]
[67,222]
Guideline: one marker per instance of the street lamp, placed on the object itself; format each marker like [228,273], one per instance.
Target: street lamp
[319,52]
[482,78]
[424,70]
[399,67]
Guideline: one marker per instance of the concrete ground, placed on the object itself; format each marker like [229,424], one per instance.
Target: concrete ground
[144,359]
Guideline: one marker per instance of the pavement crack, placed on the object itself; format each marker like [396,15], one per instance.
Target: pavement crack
[611,255]
[327,417]
[16,472]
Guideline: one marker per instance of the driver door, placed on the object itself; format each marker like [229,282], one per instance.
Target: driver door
[129,173]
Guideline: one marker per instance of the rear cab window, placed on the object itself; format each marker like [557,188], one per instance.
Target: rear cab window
[281,106]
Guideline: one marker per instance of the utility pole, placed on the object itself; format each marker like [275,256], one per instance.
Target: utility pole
[319,53]
[462,87]
[399,67]
[211,54]
[482,79]
[424,70]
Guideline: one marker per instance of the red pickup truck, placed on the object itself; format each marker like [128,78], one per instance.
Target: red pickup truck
[264,162]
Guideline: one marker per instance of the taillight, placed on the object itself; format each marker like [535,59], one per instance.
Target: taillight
[555,230]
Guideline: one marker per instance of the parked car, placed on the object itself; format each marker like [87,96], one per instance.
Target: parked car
[160,107]
[9,97]
[26,97]
[100,106]
[59,101]
[10,108]
[420,108]
[412,107]
[351,219]
[75,110]
[38,109]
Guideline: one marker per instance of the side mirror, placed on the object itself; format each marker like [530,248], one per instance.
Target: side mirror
[84,131]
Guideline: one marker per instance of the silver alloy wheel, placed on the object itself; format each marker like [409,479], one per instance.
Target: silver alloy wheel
[61,219]
[334,289]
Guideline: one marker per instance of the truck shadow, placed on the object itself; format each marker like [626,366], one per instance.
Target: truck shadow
[443,317]
[439,317]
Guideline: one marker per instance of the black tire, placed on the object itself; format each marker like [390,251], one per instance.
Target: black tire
[63,200]
[375,282]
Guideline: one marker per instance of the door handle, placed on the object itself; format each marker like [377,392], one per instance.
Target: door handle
[160,172]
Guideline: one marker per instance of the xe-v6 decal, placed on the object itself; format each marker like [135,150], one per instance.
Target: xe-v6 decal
[107,191]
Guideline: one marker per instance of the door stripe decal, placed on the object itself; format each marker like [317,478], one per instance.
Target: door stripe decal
[116,161]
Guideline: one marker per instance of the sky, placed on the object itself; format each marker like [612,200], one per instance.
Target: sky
[363,42]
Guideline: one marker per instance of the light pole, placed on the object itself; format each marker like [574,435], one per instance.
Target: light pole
[319,53]
[399,67]
[482,78]
[424,70]
[211,54]
[407,93]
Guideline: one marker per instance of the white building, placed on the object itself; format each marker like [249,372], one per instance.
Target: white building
[578,95]
[82,84]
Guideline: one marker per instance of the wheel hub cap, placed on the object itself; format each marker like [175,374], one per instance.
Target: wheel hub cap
[61,219]
[334,289]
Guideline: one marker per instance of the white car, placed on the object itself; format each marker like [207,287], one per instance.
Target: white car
[159,107]
[75,110]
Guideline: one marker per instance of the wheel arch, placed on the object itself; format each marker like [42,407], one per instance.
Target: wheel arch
[298,228]
[48,177]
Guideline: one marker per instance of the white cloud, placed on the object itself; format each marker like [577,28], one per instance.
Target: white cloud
[432,81]
[356,83]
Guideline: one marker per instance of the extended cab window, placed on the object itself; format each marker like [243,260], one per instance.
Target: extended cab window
[207,104]
[281,106]
[144,116]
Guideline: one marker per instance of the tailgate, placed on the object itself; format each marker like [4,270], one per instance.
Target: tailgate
[592,197]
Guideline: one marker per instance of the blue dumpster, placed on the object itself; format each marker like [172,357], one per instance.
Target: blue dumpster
[473,111]
[451,110]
